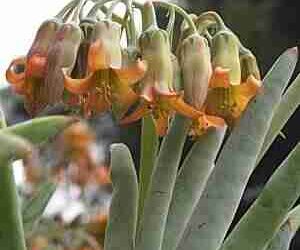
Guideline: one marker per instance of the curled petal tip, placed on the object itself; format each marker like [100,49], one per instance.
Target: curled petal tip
[15,74]
[77,86]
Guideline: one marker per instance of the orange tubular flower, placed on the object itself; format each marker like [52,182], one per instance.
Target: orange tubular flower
[109,79]
[195,62]
[233,84]
[26,74]
[38,76]
[158,95]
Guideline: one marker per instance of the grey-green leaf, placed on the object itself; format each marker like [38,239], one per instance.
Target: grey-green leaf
[264,218]
[161,187]
[284,236]
[149,147]
[40,130]
[190,183]
[288,105]
[121,228]
[33,208]
[220,199]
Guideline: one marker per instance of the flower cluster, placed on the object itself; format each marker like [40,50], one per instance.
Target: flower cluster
[208,76]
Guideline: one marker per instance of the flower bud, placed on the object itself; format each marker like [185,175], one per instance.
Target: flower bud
[81,66]
[196,69]
[225,55]
[66,44]
[44,37]
[36,58]
[155,50]
[249,67]
[105,51]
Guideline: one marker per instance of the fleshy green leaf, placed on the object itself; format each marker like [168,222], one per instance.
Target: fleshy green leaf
[288,230]
[121,228]
[11,227]
[13,147]
[288,105]
[40,129]
[162,183]
[264,218]
[149,146]
[282,240]
[2,119]
[220,199]
[33,208]
[190,183]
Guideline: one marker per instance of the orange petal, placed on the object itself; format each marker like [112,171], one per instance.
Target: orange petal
[15,74]
[220,78]
[95,103]
[78,86]
[161,125]
[97,56]
[133,73]
[214,121]
[140,112]
[123,97]
[205,122]
[246,91]
[178,104]
[36,65]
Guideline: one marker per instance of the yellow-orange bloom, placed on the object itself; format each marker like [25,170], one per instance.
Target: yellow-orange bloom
[195,62]
[110,76]
[38,76]
[231,87]
[157,94]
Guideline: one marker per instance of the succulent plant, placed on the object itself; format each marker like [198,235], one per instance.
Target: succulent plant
[205,89]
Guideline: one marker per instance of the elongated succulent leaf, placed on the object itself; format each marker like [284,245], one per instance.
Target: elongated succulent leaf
[2,119]
[149,146]
[11,227]
[190,183]
[162,183]
[40,129]
[282,240]
[284,236]
[288,105]
[221,197]
[12,147]
[121,228]
[32,209]
[264,218]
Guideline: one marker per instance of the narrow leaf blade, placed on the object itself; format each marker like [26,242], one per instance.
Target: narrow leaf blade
[217,206]
[121,228]
[33,208]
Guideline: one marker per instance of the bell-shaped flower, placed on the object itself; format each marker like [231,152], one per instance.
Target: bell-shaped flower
[109,77]
[30,70]
[195,62]
[157,92]
[230,92]
[55,47]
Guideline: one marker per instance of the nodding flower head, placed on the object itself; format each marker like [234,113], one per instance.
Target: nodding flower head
[235,81]
[196,68]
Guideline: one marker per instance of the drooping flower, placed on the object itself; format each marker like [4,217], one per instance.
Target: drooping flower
[38,76]
[157,93]
[29,70]
[231,88]
[109,77]
[195,62]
